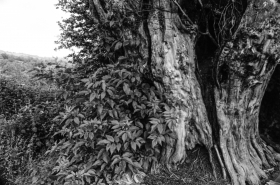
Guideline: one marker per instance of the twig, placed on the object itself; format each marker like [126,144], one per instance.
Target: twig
[173,174]
[187,17]
[209,34]
[212,164]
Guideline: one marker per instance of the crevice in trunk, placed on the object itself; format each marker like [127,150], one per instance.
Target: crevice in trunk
[269,126]
[205,51]
[205,55]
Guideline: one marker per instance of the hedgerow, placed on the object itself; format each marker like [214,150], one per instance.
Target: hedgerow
[26,126]
[118,126]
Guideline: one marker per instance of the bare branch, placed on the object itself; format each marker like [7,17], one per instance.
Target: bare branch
[97,11]
[185,15]
[209,34]
[93,12]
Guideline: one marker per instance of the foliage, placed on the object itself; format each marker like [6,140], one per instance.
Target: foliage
[17,67]
[26,126]
[118,126]
[115,119]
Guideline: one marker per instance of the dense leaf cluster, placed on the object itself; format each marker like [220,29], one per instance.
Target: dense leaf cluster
[119,126]
[26,126]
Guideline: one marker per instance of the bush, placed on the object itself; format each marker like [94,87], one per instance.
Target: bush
[26,127]
[117,126]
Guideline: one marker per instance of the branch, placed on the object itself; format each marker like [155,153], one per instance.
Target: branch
[209,34]
[93,12]
[97,11]
[185,15]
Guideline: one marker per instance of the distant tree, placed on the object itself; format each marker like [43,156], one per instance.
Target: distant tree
[5,56]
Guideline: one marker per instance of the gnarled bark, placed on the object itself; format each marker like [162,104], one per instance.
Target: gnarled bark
[245,65]
[173,60]
[249,60]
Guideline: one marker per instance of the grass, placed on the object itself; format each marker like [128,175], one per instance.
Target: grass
[196,170]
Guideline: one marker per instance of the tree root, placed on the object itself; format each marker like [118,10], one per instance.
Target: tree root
[212,163]
[221,162]
[244,161]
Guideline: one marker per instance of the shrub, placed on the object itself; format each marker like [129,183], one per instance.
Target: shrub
[26,127]
[116,127]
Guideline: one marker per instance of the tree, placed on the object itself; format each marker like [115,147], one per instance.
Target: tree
[5,56]
[213,59]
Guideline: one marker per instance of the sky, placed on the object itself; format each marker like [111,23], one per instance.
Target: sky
[30,27]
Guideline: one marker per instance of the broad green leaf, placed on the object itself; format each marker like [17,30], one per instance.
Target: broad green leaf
[102,95]
[110,92]
[104,86]
[102,142]
[85,80]
[121,58]
[106,157]
[138,165]
[100,109]
[92,96]
[76,120]
[112,148]
[133,145]
[126,89]
[124,137]
[116,160]
[110,138]
[111,23]
[119,146]
[118,46]
[97,163]
[160,128]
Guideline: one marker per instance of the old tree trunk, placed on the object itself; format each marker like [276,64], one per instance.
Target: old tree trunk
[219,91]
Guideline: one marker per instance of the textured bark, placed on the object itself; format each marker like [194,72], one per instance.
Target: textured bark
[248,63]
[173,60]
[244,67]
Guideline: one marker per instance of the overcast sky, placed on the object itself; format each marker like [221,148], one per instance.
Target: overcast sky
[30,26]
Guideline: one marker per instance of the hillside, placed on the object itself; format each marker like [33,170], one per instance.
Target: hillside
[19,66]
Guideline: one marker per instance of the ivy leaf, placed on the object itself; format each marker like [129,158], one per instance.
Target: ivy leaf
[76,120]
[91,135]
[103,95]
[160,128]
[128,160]
[126,89]
[92,96]
[111,23]
[126,43]
[139,124]
[102,142]
[100,109]
[133,145]
[115,114]
[118,46]
[112,148]
[110,138]
[85,80]
[138,165]
[154,143]
[110,92]
[100,153]
[103,86]
[116,160]
[106,157]
[124,137]
[97,163]
[121,58]
[119,146]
